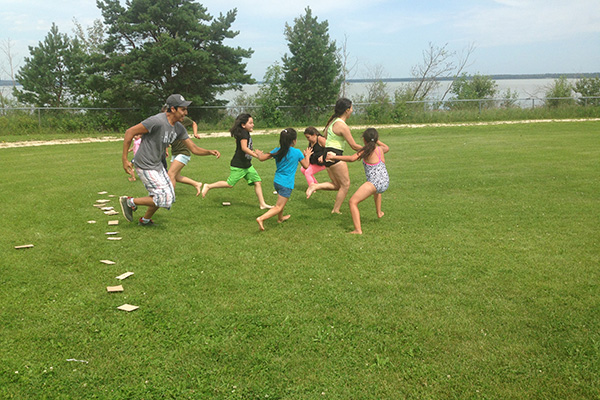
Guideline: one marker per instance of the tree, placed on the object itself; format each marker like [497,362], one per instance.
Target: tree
[437,63]
[8,69]
[588,87]
[50,73]
[347,66]
[477,87]
[312,70]
[158,47]
[271,95]
[559,93]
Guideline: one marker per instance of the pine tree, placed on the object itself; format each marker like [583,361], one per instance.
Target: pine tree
[158,47]
[51,72]
[312,72]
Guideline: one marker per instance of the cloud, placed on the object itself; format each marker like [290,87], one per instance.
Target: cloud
[286,9]
[511,22]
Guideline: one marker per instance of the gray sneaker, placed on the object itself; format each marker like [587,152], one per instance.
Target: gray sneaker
[126,208]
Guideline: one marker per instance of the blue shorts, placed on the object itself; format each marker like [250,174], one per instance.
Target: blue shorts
[182,158]
[282,190]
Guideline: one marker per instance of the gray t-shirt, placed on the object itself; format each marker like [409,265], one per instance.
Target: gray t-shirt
[154,143]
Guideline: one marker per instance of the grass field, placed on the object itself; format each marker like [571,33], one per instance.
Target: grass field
[480,282]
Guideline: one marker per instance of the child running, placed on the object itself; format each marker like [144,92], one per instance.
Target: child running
[316,142]
[378,179]
[286,158]
[241,163]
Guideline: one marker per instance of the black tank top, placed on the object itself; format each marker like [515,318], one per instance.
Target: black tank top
[318,151]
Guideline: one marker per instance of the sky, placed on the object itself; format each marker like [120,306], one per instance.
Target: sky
[383,38]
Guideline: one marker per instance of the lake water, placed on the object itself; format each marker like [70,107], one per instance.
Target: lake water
[525,88]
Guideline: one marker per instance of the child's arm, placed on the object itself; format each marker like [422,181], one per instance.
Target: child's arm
[305,162]
[195,129]
[333,157]
[263,156]
[246,149]
[384,147]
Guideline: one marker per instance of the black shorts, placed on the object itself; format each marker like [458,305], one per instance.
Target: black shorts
[337,152]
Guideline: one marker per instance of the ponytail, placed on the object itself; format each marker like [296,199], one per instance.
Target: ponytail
[341,105]
[370,137]
[286,139]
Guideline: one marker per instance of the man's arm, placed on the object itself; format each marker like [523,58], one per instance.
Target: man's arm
[138,129]
[199,151]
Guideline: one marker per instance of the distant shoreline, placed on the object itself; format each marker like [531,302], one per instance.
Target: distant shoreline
[493,77]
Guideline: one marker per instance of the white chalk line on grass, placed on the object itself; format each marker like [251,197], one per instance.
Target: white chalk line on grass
[32,143]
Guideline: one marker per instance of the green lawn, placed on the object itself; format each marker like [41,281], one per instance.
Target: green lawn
[480,282]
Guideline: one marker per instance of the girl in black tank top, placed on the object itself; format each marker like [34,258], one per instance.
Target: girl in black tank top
[317,143]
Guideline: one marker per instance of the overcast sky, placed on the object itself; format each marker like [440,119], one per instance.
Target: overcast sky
[510,36]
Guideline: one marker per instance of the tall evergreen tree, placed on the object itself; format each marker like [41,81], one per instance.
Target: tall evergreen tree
[312,73]
[49,75]
[158,47]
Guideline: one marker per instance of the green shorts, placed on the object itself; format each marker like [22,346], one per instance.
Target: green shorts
[249,174]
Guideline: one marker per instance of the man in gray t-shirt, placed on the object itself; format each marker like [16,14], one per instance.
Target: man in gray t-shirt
[158,132]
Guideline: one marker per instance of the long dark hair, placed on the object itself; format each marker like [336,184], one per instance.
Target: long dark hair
[286,139]
[236,130]
[370,136]
[341,105]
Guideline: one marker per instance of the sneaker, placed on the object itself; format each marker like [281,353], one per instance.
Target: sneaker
[126,208]
[149,223]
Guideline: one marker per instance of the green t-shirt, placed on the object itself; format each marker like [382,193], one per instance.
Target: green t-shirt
[178,146]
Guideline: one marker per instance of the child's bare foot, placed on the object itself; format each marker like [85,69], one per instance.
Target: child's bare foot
[355,232]
[336,212]
[284,218]
[265,206]
[205,190]
[260,224]
[198,188]
[131,178]
[380,214]
[310,190]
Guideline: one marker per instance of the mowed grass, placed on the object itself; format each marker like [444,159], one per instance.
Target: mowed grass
[480,282]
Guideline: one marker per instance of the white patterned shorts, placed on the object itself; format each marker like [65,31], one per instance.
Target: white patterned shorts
[159,186]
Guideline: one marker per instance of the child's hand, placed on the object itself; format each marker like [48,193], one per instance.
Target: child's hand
[330,155]
[308,152]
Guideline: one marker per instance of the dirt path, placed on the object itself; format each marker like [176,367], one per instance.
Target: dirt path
[6,145]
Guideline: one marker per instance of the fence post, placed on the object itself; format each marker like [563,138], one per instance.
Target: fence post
[39,118]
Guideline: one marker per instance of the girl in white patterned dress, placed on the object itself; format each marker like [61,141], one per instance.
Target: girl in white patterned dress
[378,179]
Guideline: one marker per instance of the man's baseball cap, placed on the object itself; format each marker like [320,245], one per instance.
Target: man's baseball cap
[177,100]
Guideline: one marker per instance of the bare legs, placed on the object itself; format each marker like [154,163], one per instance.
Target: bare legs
[276,210]
[148,202]
[340,181]
[224,184]
[259,195]
[175,176]
[365,190]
